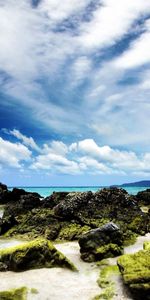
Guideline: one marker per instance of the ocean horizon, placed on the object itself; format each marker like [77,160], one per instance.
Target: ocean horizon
[46,191]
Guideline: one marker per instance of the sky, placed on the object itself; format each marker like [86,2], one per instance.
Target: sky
[74,92]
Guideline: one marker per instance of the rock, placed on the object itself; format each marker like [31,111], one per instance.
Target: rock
[6,223]
[3,187]
[143,197]
[3,267]
[7,196]
[101,243]
[135,269]
[54,216]
[72,205]
[29,201]
[146,246]
[24,204]
[54,199]
[14,294]
[36,254]
[72,231]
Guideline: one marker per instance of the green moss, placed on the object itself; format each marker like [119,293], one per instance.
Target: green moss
[135,269]
[129,238]
[106,272]
[140,224]
[95,223]
[34,291]
[34,254]
[109,250]
[146,246]
[108,293]
[104,281]
[72,231]
[103,262]
[14,294]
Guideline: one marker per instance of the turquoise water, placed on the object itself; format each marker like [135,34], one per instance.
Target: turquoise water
[46,191]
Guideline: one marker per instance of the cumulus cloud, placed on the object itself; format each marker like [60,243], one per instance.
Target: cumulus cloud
[79,158]
[13,154]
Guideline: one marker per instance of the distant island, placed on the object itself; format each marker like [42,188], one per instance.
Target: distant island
[143,183]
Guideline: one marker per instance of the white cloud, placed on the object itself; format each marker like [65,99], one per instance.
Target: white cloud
[56,147]
[28,141]
[139,52]
[56,163]
[111,21]
[88,157]
[42,61]
[13,154]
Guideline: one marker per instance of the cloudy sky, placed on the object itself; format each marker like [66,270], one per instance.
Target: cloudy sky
[74,92]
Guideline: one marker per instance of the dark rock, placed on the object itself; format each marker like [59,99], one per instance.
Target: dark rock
[30,201]
[91,241]
[143,197]
[6,223]
[3,187]
[54,199]
[7,196]
[25,203]
[72,205]
[3,267]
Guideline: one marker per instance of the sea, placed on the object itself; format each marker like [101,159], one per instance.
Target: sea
[47,191]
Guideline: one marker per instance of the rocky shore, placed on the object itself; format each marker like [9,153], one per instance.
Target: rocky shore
[103,223]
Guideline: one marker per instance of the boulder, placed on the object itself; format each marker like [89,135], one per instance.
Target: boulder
[100,243]
[54,199]
[7,196]
[72,205]
[143,197]
[24,204]
[135,269]
[36,254]
[7,223]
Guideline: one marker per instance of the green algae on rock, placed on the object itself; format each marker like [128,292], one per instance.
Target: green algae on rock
[104,281]
[64,216]
[14,294]
[72,231]
[135,269]
[35,254]
[101,243]
[146,245]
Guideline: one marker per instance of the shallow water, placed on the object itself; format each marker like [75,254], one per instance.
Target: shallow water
[46,191]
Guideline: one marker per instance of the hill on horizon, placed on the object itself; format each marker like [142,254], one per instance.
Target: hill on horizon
[143,183]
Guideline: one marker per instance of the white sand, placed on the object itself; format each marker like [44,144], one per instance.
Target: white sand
[57,283]
[63,284]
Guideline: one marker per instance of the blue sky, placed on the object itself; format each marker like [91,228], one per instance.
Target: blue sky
[74,92]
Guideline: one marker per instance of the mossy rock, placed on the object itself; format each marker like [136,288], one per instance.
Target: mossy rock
[105,283]
[110,250]
[135,269]
[72,231]
[35,254]
[14,294]
[146,246]
[105,274]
